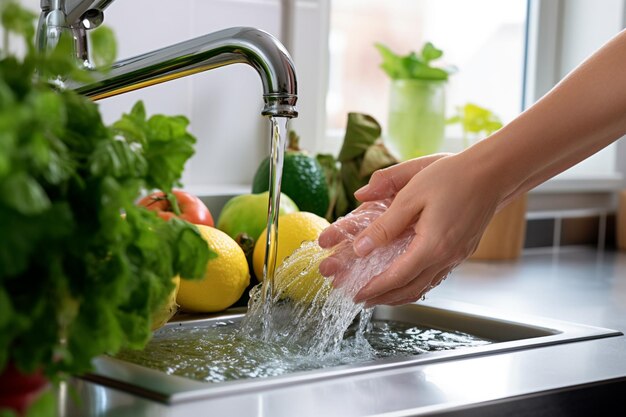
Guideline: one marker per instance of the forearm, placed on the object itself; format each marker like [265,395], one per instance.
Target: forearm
[581,115]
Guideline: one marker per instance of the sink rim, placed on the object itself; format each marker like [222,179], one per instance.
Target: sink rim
[173,389]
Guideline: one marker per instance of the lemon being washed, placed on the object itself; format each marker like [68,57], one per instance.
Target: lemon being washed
[224,281]
[293,229]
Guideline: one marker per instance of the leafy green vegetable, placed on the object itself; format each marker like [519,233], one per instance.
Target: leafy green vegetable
[475,120]
[361,154]
[82,267]
[413,66]
[18,20]
[338,201]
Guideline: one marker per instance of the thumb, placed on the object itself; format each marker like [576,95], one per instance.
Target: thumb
[387,182]
[387,227]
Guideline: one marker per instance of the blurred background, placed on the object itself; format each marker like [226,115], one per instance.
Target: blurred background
[507,55]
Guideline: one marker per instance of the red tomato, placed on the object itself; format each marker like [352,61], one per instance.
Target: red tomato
[191,207]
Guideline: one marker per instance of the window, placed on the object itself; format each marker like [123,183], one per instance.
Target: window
[484,39]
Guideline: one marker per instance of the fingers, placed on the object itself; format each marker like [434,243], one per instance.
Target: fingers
[402,271]
[386,183]
[331,236]
[401,215]
[329,266]
[353,224]
[415,290]
[342,229]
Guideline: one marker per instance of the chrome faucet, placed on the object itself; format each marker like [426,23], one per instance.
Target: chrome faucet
[250,46]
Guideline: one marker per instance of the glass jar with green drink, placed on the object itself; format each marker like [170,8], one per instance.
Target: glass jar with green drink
[417,101]
[416,117]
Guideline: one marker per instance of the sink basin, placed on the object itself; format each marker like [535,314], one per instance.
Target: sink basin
[507,333]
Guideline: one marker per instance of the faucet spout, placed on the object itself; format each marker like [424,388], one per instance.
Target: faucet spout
[245,45]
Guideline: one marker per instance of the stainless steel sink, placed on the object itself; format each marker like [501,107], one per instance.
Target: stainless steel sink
[507,331]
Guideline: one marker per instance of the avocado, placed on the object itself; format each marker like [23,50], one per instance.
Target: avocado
[303,179]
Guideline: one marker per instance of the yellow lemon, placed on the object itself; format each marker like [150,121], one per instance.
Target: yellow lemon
[165,311]
[293,229]
[298,277]
[224,281]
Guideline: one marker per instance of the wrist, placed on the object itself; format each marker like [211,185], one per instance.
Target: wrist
[494,164]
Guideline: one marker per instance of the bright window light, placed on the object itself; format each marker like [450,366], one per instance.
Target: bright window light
[484,39]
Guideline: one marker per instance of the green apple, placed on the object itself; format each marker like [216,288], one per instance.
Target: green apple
[247,213]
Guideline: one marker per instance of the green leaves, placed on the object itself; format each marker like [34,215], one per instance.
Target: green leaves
[19,21]
[413,66]
[166,144]
[476,120]
[430,53]
[361,132]
[361,154]
[103,46]
[192,255]
[24,194]
[79,262]
[338,201]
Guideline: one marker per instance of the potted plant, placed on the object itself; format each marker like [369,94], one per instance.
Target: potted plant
[417,101]
[82,267]
[504,236]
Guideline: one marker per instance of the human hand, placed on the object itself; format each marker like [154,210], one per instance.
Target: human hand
[383,184]
[447,204]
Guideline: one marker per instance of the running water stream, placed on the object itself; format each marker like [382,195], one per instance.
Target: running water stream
[298,320]
[277,156]
[317,321]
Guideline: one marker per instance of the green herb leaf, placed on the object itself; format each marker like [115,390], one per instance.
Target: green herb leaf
[24,194]
[192,251]
[18,20]
[476,120]
[133,125]
[82,268]
[103,46]
[118,159]
[413,66]
[430,53]
[391,63]
[43,406]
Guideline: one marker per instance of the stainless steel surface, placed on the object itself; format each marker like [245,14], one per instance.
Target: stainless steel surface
[582,286]
[75,10]
[508,333]
[239,45]
[229,46]
[71,16]
[243,45]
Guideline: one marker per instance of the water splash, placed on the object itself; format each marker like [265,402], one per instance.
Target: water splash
[312,312]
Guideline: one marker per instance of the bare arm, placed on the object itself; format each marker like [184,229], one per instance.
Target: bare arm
[449,200]
[583,114]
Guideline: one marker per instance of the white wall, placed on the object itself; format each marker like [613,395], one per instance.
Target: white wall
[223,105]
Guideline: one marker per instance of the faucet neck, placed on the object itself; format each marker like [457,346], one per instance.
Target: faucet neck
[250,46]
[236,45]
